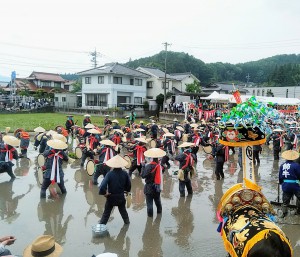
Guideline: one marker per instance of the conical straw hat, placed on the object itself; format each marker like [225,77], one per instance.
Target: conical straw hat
[107,142]
[51,132]
[180,128]
[11,140]
[115,121]
[59,137]
[89,126]
[290,155]
[57,144]
[186,144]
[116,162]
[93,131]
[141,139]
[39,130]
[155,153]
[169,135]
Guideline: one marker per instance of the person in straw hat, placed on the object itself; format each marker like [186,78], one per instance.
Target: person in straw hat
[105,152]
[24,142]
[91,144]
[142,126]
[113,186]
[152,173]
[277,138]
[107,121]
[289,177]
[170,148]
[53,166]
[154,130]
[37,138]
[43,246]
[116,124]
[7,154]
[186,168]
[138,155]
[86,120]
[70,124]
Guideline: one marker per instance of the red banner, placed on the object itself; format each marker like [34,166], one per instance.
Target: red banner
[237,97]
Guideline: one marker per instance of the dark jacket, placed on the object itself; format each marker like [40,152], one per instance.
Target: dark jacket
[49,155]
[289,171]
[220,153]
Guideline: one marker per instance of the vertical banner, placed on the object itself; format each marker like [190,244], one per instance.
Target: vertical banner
[237,96]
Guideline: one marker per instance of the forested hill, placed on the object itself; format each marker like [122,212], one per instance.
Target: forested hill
[279,70]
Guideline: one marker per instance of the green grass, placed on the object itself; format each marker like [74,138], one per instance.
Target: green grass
[48,121]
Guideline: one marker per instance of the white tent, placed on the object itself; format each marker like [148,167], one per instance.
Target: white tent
[218,98]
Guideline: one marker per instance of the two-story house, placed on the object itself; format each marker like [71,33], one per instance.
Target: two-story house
[176,82]
[111,85]
[46,80]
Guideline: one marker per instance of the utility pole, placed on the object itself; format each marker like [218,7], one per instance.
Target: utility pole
[94,55]
[248,78]
[165,85]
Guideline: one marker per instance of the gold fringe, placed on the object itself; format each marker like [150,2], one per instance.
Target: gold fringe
[243,143]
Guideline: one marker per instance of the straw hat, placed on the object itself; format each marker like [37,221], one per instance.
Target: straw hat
[139,130]
[115,121]
[39,130]
[119,131]
[41,246]
[51,132]
[93,131]
[180,128]
[87,115]
[107,142]
[141,139]
[290,155]
[155,153]
[141,121]
[186,144]
[106,115]
[59,137]
[165,130]
[278,130]
[57,144]
[11,140]
[175,119]
[218,118]
[89,126]
[117,162]
[107,255]
[126,117]
[169,135]
[194,125]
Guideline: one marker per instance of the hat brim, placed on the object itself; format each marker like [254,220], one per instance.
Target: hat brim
[155,153]
[117,162]
[57,252]
[186,144]
[140,139]
[107,142]
[57,144]
[290,155]
[11,140]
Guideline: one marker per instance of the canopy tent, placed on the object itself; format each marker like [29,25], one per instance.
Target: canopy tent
[216,97]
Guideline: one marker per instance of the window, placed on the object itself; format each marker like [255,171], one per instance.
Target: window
[63,99]
[117,80]
[149,84]
[163,84]
[258,92]
[56,99]
[253,92]
[46,83]
[57,84]
[96,100]
[138,82]
[138,100]
[131,81]
[263,92]
[100,79]
[88,80]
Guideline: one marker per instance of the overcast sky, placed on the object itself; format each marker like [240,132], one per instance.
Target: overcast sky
[57,35]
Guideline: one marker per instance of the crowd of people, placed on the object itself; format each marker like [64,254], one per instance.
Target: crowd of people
[151,148]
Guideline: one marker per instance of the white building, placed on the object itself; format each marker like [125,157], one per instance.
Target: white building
[111,85]
[288,92]
[65,100]
[176,82]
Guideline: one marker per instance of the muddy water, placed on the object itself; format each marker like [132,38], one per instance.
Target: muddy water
[187,226]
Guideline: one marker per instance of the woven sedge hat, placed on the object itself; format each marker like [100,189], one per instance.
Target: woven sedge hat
[290,155]
[116,162]
[180,128]
[165,130]
[175,119]
[87,115]
[93,131]
[89,126]
[51,132]
[186,144]
[115,121]
[141,139]
[43,246]
[59,137]
[155,153]
[141,121]
[139,130]
[57,144]
[11,140]
[119,131]
[107,142]
[169,135]
[107,255]
[39,130]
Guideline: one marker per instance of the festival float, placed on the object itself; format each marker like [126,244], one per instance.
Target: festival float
[246,216]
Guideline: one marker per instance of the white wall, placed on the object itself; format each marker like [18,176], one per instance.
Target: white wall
[293,92]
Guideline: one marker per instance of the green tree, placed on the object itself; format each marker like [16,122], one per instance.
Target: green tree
[77,86]
[193,87]
[160,101]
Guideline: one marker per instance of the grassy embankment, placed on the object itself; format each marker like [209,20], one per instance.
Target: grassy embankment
[29,121]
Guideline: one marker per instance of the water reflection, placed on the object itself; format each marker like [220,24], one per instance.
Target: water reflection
[8,203]
[168,186]
[152,240]
[185,222]
[215,199]
[138,197]
[22,167]
[51,211]
[119,244]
